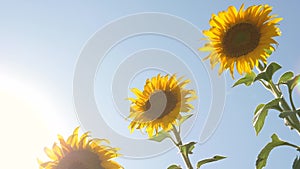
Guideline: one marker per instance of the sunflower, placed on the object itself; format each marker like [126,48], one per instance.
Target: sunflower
[80,153]
[241,38]
[160,104]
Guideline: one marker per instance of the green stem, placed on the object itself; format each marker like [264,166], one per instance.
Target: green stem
[293,145]
[172,140]
[292,103]
[291,100]
[292,119]
[265,84]
[179,143]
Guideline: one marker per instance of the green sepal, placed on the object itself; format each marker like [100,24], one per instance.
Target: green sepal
[268,51]
[184,118]
[160,136]
[209,160]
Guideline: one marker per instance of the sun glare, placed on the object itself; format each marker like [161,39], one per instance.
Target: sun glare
[23,131]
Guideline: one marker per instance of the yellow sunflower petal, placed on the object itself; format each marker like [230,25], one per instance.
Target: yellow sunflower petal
[50,153]
[57,151]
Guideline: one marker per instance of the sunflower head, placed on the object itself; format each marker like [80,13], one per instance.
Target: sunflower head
[80,153]
[241,38]
[159,105]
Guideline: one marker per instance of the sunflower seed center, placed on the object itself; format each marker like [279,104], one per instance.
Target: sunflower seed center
[160,104]
[241,39]
[80,159]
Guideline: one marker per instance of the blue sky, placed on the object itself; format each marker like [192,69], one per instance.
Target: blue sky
[41,44]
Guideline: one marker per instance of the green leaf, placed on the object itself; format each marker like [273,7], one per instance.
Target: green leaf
[247,80]
[285,77]
[160,136]
[268,73]
[274,104]
[174,167]
[293,83]
[184,118]
[187,148]
[265,152]
[271,69]
[296,164]
[262,75]
[209,160]
[261,113]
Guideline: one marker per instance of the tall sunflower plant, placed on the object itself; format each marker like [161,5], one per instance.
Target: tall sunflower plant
[160,110]
[244,39]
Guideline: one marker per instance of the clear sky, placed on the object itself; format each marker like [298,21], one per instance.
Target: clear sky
[41,45]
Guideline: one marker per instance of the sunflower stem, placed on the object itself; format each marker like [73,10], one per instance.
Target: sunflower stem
[172,140]
[292,120]
[178,144]
[291,100]
[265,85]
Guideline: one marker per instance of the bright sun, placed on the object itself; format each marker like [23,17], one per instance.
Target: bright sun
[22,127]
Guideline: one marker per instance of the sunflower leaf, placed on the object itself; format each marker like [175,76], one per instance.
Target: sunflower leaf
[184,118]
[285,77]
[262,75]
[261,113]
[293,83]
[174,166]
[247,80]
[187,148]
[271,69]
[209,160]
[160,136]
[274,104]
[262,157]
[296,163]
